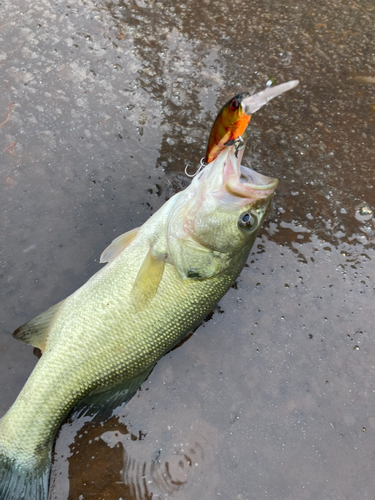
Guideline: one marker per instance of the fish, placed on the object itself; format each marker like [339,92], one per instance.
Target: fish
[234,117]
[159,282]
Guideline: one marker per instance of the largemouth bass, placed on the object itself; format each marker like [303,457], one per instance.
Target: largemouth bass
[101,342]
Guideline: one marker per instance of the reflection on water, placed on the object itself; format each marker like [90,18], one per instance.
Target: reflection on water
[96,452]
[164,477]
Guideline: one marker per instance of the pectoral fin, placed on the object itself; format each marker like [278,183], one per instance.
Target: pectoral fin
[118,245]
[35,332]
[147,281]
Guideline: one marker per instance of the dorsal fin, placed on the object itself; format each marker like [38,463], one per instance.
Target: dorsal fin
[118,245]
[35,332]
[147,281]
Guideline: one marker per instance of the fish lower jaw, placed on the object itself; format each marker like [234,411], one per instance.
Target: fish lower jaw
[250,191]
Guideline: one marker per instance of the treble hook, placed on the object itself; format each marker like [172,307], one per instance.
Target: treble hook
[202,164]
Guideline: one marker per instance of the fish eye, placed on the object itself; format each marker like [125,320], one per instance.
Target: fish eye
[235,103]
[247,219]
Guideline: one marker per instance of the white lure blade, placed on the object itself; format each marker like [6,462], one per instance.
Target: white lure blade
[256,101]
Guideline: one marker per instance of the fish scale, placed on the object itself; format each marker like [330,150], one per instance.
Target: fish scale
[122,347]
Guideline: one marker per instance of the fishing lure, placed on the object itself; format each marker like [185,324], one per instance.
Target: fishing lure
[234,117]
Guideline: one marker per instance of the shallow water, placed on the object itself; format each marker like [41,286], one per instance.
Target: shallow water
[102,106]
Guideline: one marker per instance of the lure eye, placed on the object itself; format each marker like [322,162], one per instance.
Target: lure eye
[234,105]
[246,219]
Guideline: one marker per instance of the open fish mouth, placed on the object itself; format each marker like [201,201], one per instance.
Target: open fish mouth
[230,183]
[255,180]
[251,184]
[243,182]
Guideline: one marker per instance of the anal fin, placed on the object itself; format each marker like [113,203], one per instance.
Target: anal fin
[102,403]
[35,332]
[147,281]
[118,245]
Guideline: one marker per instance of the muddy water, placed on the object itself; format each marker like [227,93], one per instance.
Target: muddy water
[102,106]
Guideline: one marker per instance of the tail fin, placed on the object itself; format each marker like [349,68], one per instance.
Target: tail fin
[20,483]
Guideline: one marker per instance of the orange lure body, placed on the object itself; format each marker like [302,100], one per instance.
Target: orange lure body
[230,123]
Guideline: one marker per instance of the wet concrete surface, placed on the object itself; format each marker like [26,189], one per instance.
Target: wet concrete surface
[102,106]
